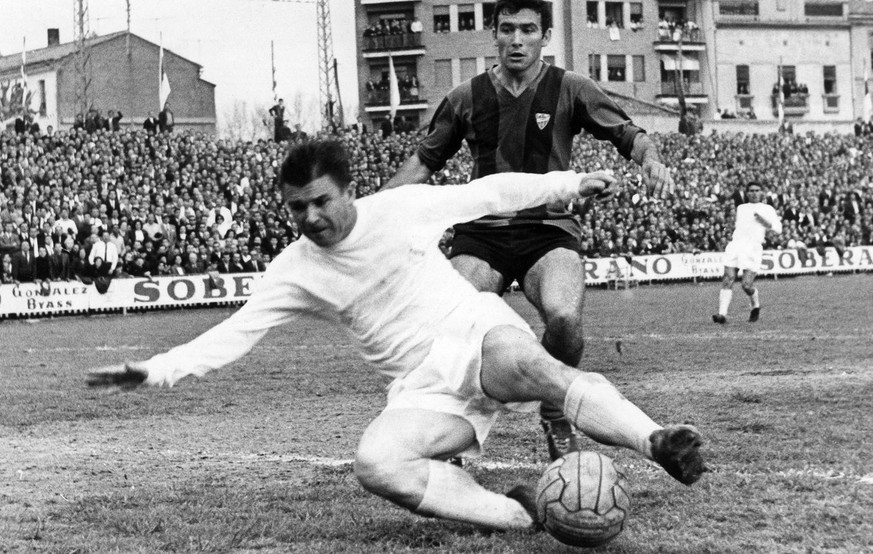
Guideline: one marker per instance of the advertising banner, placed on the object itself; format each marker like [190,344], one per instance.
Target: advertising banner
[181,290]
[65,297]
[31,299]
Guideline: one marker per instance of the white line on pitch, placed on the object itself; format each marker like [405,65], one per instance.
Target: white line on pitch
[798,336]
[820,474]
[124,348]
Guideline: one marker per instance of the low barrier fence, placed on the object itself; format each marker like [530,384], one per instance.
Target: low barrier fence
[71,297]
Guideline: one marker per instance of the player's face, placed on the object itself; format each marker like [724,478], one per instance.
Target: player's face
[323,211]
[520,40]
[755,194]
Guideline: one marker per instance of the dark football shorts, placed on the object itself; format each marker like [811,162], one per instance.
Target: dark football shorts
[512,250]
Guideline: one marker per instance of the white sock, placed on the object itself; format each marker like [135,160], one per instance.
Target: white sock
[452,494]
[724,300]
[597,409]
[755,299]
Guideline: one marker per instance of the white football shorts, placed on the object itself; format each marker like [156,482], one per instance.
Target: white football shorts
[448,379]
[744,255]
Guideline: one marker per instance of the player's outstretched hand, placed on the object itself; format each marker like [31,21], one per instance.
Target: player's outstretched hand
[601,184]
[658,179]
[126,375]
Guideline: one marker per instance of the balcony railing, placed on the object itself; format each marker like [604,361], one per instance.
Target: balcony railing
[383,97]
[671,88]
[667,35]
[392,42]
[796,104]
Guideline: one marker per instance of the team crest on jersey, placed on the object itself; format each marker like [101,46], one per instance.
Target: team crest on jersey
[543,120]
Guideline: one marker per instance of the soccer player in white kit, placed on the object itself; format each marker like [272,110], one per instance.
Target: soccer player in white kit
[744,251]
[456,357]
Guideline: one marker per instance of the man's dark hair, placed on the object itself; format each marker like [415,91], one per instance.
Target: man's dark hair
[308,161]
[758,184]
[514,6]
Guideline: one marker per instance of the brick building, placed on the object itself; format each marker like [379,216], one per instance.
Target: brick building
[123,71]
[719,54]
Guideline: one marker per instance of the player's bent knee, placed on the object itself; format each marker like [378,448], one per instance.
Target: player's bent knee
[566,322]
[379,474]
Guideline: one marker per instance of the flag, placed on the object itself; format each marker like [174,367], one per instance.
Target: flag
[780,97]
[273,68]
[24,73]
[868,99]
[163,80]
[393,87]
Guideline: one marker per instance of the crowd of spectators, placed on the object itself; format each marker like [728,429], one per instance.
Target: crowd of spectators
[727,114]
[80,205]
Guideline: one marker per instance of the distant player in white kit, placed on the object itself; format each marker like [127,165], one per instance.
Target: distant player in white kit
[744,251]
[456,356]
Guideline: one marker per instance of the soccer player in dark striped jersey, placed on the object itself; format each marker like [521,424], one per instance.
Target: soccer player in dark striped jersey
[521,116]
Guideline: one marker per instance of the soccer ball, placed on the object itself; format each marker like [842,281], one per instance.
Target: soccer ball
[582,499]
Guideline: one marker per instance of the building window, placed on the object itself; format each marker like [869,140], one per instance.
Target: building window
[829,72]
[591,11]
[831,98]
[792,90]
[42,106]
[440,19]
[822,9]
[466,18]
[442,74]
[639,69]
[594,66]
[672,14]
[468,69]
[615,14]
[636,15]
[738,7]
[615,68]
[488,14]
[742,79]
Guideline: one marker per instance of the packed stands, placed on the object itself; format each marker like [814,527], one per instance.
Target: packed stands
[184,203]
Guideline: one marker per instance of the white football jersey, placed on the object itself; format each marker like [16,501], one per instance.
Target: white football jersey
[749,229]
[387,282]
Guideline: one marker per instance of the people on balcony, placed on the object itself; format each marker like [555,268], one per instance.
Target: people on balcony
[670,30]
[393,33]
[378,92]
[790,87]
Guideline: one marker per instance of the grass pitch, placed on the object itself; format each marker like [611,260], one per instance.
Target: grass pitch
[255,458]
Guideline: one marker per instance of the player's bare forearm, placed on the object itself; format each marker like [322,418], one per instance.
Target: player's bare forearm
[413,171]
[644,150]
[763,221]
[656,175]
